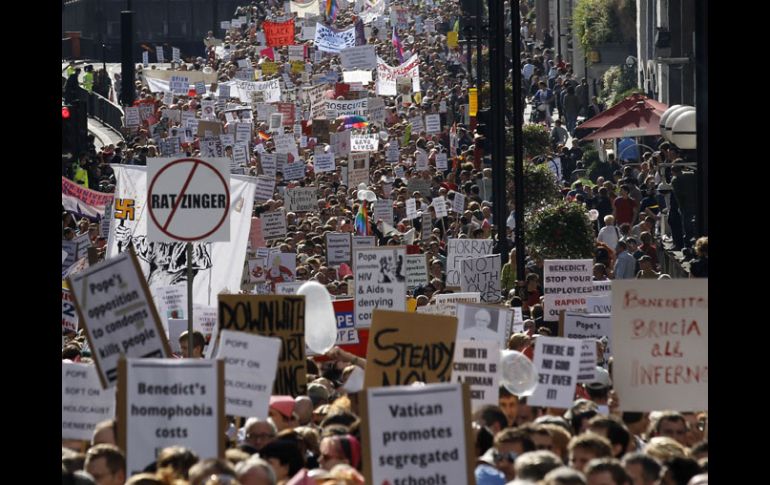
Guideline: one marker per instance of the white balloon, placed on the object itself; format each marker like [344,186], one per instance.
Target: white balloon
[320,322]
[518,373]
[370,196]
[362,186]
[384,135]
[593,214]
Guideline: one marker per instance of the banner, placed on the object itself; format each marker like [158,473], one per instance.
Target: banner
[279,34]
[332,40]
[361,57]
[482,275]
[83,202]
[301,199]
[566,284]
[387,75]
[250,365]
[84,403]
[380,281]
[418,435]
[335,108]
[475,363]
[269,90]
[272,316]
[460,249]
[165,402]
[408,347]
[217,266]
[660,333]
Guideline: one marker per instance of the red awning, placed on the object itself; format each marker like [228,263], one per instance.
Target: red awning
[636,115]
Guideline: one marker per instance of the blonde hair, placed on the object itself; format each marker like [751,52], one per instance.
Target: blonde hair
[662,448]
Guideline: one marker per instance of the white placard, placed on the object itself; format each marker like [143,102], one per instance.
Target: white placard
[439,204]
[458,203]
[160,58]
[274,224]
[433,124]
[418,125]
[171,402]
[599,304]
[132,116]
[557,360]
[288,288]
[482,275]
[171,302]
[338,248]
[117,310]
[587,369]
[380,281]
[340,143]
[356,107]
[269,164]
[296,53]
[145,59]
[176,327]
[294,170]
[421,160]
[592,326]
[660,338]
[566,284]
[483,322]
[475,362]
[301,199]
[175,55]
[330,40]
[363,242]
[360,57]
[364,143]
[84,403]
[416,270]
[411,420]
[441,161]
[250,365]
[179,85]
[265,188]
[363,77]
[383,211]
[324,163]
[411,209]
[460,249]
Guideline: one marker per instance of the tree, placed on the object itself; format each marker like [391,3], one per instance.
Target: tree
[540,186]
[559,231]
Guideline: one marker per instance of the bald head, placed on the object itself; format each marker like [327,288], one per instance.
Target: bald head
[303,406]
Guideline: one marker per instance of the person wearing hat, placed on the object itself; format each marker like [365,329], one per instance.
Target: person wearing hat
[281,412]
[646,271]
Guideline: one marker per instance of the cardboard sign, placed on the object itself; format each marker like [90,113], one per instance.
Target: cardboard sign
[272,316]
[324,163]
[251,362]
[482,275]
[426,226]
[274,224]
[420,435]
[340,143]
[265,188]
[363,242]
[380,281]
[557,362]
[475,363]
[441,162]
[660,337]
[84,403]
[115,305]
[69,319]
[566,284]
[461,249]
[164,402]
[483,323]
[338,248]
[288,288]
[332,40]
[383,211]
[587,369]
[433,124]
[458,204]
[591,326]
[416,270]
[360,57]
[301,199]
[409,347]
[279,34]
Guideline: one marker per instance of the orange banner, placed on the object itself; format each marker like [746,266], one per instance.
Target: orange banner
[279,33]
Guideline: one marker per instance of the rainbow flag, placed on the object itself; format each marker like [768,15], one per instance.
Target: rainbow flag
[264,136]
[362,221]
[353,121]
[398,46]
[331,9]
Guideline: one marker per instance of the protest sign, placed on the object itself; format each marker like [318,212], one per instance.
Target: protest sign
[179,84]
[359,173]
[301,199]
[557,362]
[297,53]
[383,211]
[461,249]
[256,238]
[332,40]
[421,160]
[305,9]
[285,143]
[363,242]
[356,107]
[376,110]
[599,304]
[418,435]
[387,75]
[392,154]
[164,402]
[380,281]
[272,316]
[361,57]
[567,283]
[292,170]
[175,329]
[433,123]
[439,204]
[84,403]
[418,124]
[407,347]
[269,164]
[324,162]
[340,143]
[115,305]
[419,185]
[592,326]
[279,34]
[337,247]
[364,143]
[132,116]
[274,224]
[205,321]
[441,162]
[265,188]
[446,304]
[458,203]
[416,270]
[251,362]
[411,209]
[171,302]
[83,201]
[426,226]
[587,364]
[660,338]
[346,331]
[288,288]
[475,363]
[69,319]
[362,77]
[483,322]
[271,90]
[482,275]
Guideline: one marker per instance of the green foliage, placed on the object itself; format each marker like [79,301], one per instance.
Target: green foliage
[602,21]
[559,231]
[619,82]
[540,186]
[536,139]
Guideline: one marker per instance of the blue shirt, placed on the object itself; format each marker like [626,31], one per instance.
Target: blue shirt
[488,475]
[625,266]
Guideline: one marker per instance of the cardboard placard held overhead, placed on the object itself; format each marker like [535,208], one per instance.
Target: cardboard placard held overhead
[84,403]
[165,402]
[272,316]
[566,284]
[660,338]
[475,363]
[592,326]
[460,249]
[380,281]
[301,199]
[409,347]
[338,248]
[418,435]
[482,275]
[115,305]
[557,360]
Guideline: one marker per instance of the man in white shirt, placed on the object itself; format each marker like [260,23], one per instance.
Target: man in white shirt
[609,234]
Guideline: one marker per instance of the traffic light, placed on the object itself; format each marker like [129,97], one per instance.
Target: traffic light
[74,128]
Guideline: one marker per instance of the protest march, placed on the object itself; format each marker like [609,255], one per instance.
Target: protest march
[289,272]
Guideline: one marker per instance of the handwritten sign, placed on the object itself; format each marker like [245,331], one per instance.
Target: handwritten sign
[567,282]
[279,34]
[380,281]
[274,224]
[660,335]
[482,275]
[475,363]
[557,362]
[272,316]
[301,199]
[461,249]
[338,247]
[364,143]
[84,403]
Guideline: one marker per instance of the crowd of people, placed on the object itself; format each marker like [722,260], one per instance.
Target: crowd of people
[316,438]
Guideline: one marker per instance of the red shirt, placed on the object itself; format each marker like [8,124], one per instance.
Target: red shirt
[624,210]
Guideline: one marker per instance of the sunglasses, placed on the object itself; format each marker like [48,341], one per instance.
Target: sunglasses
[510,456]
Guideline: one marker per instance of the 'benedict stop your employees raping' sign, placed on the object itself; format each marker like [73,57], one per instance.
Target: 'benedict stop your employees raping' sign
[189,200]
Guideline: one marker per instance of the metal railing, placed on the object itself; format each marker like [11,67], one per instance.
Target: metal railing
[102,109]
